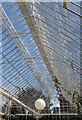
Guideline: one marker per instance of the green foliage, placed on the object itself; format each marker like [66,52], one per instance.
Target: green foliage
[77,98]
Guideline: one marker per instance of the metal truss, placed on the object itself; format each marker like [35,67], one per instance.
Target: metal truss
[42,33]
[12,98]
[26,55]
[44,52]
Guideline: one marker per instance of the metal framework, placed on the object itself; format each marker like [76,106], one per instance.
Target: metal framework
[40,54]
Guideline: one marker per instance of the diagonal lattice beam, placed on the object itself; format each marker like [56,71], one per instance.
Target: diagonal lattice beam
[30,17]
[35,33]
[5,93]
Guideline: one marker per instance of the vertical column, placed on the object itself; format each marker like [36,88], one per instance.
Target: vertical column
[81,55]
[0,53]
[81,50]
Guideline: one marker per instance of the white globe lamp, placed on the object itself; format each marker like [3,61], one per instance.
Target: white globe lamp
[40,104]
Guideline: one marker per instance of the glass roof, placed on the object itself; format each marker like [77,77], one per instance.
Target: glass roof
[40,44]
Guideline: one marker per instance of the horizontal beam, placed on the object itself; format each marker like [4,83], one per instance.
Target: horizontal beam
[46,114]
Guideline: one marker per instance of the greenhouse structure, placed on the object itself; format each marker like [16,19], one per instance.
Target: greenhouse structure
[40,60]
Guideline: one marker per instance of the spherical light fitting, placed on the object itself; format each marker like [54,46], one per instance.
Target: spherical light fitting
[40,104]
